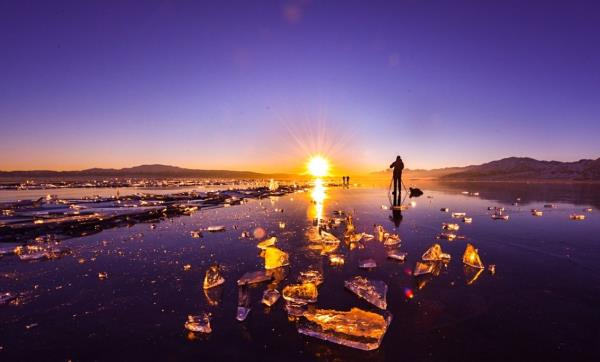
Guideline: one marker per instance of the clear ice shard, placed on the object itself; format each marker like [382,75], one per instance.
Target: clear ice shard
[367,264]
[266,243]
[270,297]
[311,276]
[471,257]
[275,258]
[215,228]
[6,297]
[423,268]
[373,291]
[301,293]
[255,277]
[213,277]
[355,328]
[434,253]
[397,255]
[198,323]
[243,307]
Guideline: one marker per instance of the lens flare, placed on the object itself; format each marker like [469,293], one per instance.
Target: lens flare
[318,166]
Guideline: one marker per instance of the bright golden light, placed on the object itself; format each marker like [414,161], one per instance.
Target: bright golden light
[318,166]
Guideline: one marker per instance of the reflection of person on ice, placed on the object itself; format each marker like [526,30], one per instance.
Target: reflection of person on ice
[398,166]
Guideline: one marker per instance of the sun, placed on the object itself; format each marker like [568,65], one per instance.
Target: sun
[318,166]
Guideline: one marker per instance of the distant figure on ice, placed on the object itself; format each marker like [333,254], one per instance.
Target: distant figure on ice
[398,166]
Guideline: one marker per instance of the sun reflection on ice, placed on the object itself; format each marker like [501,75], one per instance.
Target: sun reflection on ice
[318,197]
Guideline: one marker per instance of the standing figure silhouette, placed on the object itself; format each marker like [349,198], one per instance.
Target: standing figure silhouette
[398,166]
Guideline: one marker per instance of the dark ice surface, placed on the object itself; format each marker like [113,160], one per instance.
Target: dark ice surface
[542,302]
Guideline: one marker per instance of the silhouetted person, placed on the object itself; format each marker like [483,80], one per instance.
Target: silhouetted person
[398,166]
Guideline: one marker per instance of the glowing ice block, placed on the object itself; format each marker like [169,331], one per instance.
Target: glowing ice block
[213,277]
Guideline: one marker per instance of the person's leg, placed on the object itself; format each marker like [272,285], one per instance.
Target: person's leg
[396,189]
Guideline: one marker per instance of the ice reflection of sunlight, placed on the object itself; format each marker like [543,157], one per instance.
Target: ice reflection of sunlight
[318,196]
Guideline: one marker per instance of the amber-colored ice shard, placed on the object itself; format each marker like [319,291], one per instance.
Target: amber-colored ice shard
[275,258]
[373,291]
[270,297]
[255,277]
[379,231]
[266,243]
[471,257]
[301,293]
[243,308]
[311,276]
[577,217]
[355,328]
[449,226]
[215,228]
[397,255]
[198,323]
[423,268]
[336,259]
[435,254]
[392,239]
[213,277]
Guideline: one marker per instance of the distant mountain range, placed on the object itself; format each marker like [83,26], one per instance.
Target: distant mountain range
[141,171]
[513,169]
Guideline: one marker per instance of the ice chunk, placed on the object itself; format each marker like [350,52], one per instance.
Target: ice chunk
[397,255]
[471,257]
[270,297]
[459,215]
[301,293]
[373,291]
[213,277]
[275,258]
[380,232]
[355,238]
[467,220]
[447,236]
[38,255]
[355,328]
[255,277]
[198,323]
[471,274]
[336,259]
[102,275]
[187,267]
[213,295]
[243,308]
[577,217]
[392,239]
[423,268]
[367,264]
[536,212]
[450,227]
[196,234]
[266,243]
[492,268]
[215,228]
[499,216]
[311,276]
[6,298]
[444,209]
[368,237]
[434,253]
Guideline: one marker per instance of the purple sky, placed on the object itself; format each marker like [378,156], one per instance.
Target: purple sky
[261,85]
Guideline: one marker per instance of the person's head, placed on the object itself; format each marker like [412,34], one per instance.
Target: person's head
[398,158]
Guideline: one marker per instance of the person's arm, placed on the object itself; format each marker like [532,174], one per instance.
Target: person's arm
[393,164]
[401,165]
